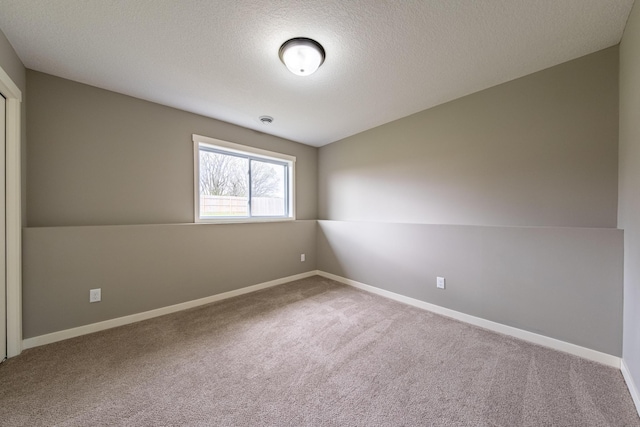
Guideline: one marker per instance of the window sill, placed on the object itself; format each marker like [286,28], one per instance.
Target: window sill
[242,220]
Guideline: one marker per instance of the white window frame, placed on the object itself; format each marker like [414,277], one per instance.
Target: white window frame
[244,150]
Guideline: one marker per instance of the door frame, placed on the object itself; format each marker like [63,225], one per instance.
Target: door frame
[13,206]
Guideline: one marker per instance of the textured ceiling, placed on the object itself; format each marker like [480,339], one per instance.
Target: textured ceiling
[385,59]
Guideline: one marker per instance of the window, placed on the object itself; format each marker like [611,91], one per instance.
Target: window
[236,183]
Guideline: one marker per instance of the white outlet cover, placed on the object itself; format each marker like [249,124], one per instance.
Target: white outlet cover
[95,295]
[440,282]
[303,258]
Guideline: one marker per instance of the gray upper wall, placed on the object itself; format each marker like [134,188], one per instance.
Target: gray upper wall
[12,65]
[541,150]
[101,158]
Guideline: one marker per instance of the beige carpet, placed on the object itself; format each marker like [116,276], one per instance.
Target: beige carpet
[307,353]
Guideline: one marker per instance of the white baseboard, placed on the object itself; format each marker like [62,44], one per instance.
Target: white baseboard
[631,385]
[120,321]
[545,341]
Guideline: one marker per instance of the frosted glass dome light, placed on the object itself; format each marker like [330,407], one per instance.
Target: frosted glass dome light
[302,56]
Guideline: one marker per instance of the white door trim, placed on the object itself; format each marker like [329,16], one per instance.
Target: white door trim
[14,214]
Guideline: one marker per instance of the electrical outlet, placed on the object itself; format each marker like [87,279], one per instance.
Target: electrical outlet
[440,282]
[95,295]
[303,258]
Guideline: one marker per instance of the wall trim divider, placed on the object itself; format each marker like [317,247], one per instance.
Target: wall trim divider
[635,395]
[576,350]
[137,317]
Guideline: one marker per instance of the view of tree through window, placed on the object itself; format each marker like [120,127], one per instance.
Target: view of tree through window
[225,181]
[222,175]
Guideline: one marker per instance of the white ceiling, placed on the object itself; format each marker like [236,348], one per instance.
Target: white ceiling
[385,59]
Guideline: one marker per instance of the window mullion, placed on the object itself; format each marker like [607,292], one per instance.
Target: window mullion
[286,193]
[250,187]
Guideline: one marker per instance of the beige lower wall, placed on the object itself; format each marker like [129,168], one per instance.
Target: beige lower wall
[140,268]
[564,283]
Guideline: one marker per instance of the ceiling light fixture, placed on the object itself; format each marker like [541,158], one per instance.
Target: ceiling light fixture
[267,120]
[302,56]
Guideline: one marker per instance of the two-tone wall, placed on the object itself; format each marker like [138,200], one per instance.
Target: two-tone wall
[110,197]
[629,204]
[509,193]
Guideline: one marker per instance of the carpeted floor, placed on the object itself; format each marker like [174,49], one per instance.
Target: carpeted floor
[308,353]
